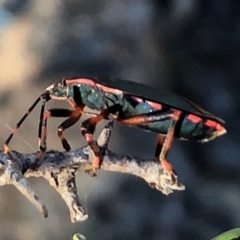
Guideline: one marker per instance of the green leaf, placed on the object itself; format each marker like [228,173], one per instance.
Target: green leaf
[78,236]
[233,234]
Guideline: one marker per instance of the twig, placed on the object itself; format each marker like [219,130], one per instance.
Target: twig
[59,169]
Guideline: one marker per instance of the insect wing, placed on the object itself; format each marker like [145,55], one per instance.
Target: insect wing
[156,95]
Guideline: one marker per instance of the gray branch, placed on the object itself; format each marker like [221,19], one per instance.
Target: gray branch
[59,169]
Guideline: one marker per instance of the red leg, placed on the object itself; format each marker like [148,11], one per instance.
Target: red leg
[87,129]
[160,141]
[166,145]
[74,116]
[163,145]
[66,124]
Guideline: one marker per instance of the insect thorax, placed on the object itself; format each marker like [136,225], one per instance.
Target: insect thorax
[92,97]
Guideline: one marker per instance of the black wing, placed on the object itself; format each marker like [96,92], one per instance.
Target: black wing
[156,95]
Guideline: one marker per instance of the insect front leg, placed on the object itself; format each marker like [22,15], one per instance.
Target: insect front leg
[87,129]
[74,116]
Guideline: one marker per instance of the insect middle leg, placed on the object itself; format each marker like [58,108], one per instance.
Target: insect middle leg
[87,129]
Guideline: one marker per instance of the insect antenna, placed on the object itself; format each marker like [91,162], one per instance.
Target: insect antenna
[21,138]
[44,96]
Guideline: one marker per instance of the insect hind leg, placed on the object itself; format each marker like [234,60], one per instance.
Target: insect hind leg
[164,145]
[159,145]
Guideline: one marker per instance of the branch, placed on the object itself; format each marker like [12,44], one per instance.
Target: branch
[59,169]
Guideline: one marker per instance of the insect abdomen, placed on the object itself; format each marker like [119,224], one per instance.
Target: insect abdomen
[189,127]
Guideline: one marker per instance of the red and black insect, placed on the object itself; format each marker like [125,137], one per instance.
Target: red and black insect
[130,103]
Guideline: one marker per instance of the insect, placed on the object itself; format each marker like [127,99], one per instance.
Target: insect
[130,103]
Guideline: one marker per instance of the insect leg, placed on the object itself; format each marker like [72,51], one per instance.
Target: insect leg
[66,124]
[73,115]
[164,146]
[160,141]
[87,129]
[6,147]
[42,134]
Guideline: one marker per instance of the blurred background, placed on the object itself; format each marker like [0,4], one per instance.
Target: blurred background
[189,47]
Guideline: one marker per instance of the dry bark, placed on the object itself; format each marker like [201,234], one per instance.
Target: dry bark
[59,169]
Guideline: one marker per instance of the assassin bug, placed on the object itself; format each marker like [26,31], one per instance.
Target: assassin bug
[130,103]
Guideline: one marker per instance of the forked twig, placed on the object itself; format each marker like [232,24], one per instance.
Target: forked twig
[59,169]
